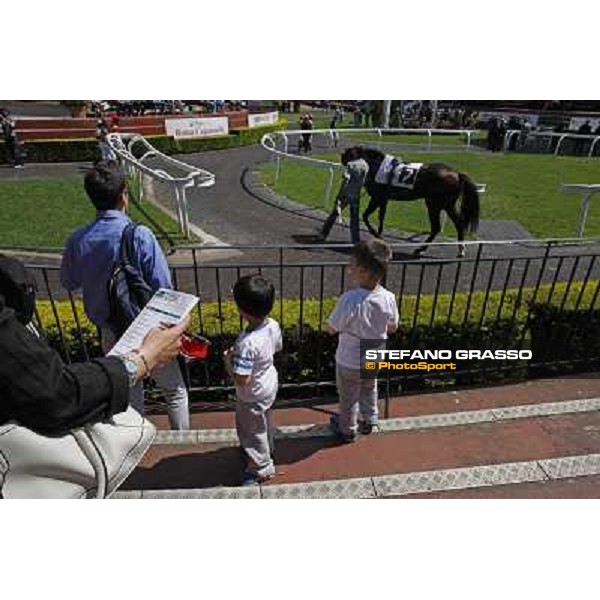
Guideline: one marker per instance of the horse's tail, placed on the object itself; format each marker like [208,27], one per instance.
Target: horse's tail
[469,211]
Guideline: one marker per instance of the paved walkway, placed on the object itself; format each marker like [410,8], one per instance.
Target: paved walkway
[549,445]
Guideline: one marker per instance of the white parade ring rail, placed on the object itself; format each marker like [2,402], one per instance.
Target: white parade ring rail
[550,136]
[269,143]
[122,145]
[588,191]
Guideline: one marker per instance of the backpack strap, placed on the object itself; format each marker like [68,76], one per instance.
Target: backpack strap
[126,251]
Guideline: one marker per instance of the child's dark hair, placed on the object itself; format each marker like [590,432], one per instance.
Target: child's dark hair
[254,295]
[104,184]
[373,256]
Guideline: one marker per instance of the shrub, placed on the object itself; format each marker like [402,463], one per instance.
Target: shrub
[571,337]
[553,333]
[75,150]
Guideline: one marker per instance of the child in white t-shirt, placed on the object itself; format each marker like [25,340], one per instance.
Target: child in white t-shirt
[367,312]
[250,364]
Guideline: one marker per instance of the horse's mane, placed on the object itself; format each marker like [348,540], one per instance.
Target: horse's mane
[370,153]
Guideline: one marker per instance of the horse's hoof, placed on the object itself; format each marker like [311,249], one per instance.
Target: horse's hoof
[418,251]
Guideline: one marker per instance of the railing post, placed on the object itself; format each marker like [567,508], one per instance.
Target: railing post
[285,142]
[562,137]
[184,210]
[140,178]
[592,146]
[468,139]
[583,213]
[328,189]
[429,139]
[285,151]
[178,205]
[277,170]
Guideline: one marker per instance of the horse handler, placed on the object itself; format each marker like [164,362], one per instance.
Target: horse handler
[349,195]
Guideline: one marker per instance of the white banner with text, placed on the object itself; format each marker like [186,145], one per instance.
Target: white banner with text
[197,127]
[259,120]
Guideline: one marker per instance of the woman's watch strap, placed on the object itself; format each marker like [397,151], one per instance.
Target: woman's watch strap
[143,358]
[133,368]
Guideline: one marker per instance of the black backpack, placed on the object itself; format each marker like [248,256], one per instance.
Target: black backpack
[128,293]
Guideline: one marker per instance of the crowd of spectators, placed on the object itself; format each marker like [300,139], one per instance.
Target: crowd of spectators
[137,108]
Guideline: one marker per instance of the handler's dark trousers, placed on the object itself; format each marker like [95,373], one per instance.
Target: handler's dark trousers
[340,204]
[354,218]
[349,195]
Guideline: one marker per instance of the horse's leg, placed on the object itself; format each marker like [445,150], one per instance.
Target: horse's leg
[460,230]
[371,208]
[382,211]
[433,208]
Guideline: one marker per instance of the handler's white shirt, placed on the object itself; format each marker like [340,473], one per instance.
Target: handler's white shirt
[361,314]
[253,355]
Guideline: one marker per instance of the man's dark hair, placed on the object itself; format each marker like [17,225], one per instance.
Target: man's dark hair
[104,184]
[373,256]
[254,295]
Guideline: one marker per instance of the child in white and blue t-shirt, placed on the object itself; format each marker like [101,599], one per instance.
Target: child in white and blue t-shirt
[368,311]
[250,364]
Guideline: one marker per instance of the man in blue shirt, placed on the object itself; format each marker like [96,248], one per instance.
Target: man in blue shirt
[88,261]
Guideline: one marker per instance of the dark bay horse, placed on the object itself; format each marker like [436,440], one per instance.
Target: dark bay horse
[440,185]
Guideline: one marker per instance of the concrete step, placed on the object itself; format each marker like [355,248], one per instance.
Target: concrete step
[561,477]
[225,436]
[529,392]
[525,444]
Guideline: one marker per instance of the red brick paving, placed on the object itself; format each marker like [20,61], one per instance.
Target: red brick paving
[302,460]
[530,392]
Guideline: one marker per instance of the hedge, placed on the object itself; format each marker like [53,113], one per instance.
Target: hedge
[553,333]
[75,150]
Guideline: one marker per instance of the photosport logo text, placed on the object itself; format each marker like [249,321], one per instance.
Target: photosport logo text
[375,357]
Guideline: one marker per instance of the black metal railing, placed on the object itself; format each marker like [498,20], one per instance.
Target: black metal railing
[519,294]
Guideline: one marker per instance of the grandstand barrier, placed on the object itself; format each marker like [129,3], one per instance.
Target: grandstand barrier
[134,152]
[487,300]
[85,128]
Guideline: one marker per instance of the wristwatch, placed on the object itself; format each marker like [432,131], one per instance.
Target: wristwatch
[131,366]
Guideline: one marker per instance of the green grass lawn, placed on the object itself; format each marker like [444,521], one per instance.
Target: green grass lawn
[38,213]
[411,138]
[520,187]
